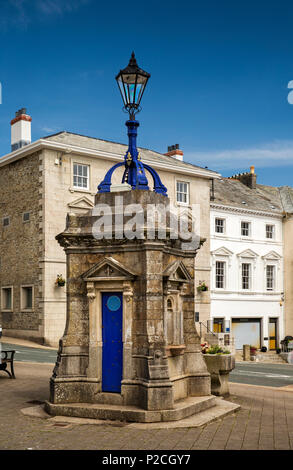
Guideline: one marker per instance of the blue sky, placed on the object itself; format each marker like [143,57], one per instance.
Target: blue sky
[219,76]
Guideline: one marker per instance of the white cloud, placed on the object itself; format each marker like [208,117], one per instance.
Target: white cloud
[20,13]
[48,130]
[51,7]
[273,154]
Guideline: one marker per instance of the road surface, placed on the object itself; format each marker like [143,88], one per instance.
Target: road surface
[269,375]
[27,354]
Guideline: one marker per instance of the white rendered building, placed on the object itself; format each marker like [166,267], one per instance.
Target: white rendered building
[247,290]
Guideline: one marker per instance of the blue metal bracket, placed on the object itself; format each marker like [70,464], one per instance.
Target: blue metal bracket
[134,173]
[158,185]
[104,186]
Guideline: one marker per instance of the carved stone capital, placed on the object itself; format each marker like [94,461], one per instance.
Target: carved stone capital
[91,294]
[127,291]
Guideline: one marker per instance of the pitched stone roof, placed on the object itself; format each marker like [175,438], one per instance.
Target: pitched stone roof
[231,192]
[70,138]
[286,193]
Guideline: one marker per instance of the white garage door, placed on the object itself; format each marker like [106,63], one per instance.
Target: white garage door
[246,332]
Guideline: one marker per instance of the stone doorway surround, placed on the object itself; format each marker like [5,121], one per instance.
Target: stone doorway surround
[108,276]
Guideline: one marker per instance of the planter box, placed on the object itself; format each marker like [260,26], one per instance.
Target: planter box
[203,297]
[219,366]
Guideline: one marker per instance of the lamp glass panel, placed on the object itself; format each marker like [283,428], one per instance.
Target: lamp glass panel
[122,90]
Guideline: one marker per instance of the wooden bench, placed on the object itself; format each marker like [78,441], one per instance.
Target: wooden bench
[7,357]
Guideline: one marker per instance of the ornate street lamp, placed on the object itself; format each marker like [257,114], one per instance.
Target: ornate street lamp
[132,82]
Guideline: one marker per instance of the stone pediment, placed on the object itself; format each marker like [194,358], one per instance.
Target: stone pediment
[177,271]
[272,255]
[108,270]
[81,204]
[222,252]
[247,254]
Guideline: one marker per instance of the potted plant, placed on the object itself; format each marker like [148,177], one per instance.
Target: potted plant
[202,287]
[204,347]
[217,350]
[60,281]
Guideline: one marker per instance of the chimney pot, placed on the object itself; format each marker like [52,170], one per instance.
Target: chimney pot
[20,130]
[175,152]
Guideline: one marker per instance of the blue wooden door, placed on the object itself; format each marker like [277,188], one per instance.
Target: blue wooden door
[112,341]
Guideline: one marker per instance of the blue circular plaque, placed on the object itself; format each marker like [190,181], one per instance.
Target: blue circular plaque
[113,303]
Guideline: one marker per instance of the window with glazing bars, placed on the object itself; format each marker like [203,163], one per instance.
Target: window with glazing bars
[220,225]
[245,229]
[246,276]
[270,231]
[220,274]
[182,193]
[80,176]
[270,277]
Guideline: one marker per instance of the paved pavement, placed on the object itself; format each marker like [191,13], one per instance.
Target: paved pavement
[265,421]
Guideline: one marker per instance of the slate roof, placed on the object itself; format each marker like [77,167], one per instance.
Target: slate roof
[286,193]
[231,192]
[71,138]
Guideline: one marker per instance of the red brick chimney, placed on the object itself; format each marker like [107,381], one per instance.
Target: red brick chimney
[175,152]
[20,130]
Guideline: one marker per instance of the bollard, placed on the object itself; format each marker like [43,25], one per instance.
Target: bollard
[246,352]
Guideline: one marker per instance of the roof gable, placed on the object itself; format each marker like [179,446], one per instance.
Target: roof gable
[108,269]
[177,271]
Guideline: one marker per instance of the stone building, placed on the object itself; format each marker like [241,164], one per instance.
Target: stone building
[130,336]
[42,181]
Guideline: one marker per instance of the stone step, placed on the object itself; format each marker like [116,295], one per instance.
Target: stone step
[221,409]
[182,409]
[264,358]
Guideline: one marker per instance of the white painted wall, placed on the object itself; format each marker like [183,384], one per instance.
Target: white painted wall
[21,131]
[232,248]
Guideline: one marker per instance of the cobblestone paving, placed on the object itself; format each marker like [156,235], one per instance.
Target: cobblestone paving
[265,421]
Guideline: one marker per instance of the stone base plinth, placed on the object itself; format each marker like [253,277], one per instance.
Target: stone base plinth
[182,409]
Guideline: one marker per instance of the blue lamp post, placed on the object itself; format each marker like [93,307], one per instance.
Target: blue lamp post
[132,82]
